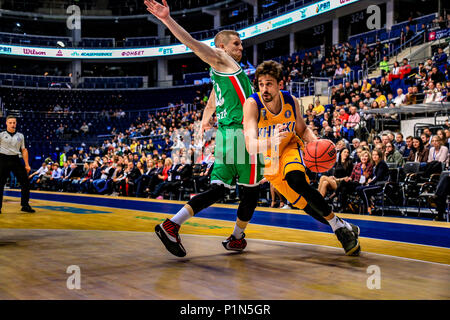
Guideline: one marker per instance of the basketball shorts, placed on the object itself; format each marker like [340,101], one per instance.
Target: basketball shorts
[290,159]
[233,161]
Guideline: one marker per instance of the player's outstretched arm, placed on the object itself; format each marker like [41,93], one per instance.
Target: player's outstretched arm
[210,55]
[301,128]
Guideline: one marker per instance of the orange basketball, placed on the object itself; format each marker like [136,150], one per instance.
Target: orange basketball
[320,155]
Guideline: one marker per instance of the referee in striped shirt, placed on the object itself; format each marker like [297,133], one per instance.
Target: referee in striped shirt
[12,144]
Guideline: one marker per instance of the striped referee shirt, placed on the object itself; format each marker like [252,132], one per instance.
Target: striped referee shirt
[11,144]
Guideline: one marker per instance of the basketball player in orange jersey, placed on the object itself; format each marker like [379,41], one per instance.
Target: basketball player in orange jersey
[274,126]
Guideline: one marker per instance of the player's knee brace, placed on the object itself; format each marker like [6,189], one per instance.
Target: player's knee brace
[249,199]
[297,182]
[207,198]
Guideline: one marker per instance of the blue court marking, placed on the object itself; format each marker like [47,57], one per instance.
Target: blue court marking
[425,235]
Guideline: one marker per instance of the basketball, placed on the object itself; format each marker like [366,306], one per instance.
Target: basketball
[320,155]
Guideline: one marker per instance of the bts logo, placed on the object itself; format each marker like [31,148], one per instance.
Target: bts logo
[166,51]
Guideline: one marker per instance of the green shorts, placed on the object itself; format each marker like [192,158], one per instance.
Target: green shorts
[233,161]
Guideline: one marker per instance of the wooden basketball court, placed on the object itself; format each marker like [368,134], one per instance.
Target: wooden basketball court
[289,255]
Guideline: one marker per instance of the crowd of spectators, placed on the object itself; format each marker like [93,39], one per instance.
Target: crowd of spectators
[153,158]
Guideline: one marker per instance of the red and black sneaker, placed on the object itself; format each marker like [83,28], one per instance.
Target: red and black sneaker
[168,233]
[235,244]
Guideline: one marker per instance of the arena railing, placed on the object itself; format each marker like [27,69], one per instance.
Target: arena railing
[408,44]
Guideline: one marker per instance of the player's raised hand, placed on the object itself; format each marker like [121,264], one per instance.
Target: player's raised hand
[161,11]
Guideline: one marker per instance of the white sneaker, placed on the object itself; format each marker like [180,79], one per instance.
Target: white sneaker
[286,206]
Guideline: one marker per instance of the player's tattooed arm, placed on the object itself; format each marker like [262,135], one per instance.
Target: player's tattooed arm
[301,128]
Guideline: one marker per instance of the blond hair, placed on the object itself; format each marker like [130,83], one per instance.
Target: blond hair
[224,36]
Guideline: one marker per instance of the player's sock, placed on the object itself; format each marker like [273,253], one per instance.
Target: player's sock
[347,225]
[336,223]
[181,216]
[238,233]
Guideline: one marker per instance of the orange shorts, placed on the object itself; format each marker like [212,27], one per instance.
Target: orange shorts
[291,159]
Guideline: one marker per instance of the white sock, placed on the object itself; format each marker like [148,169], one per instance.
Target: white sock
[181,216]
[238,233]
[347,225]
[336,223]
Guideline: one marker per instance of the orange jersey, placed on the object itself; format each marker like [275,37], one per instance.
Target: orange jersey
[287,156]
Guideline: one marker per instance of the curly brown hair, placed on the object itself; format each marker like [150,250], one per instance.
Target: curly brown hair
[271,68]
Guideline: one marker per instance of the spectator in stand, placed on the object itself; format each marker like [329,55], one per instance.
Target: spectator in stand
[356,143]
[411,98]
[409,34]
[418,153]
[365,88]
[55,177]
[438,152]
[343,116]
[132,173]
[440,58]
[436,76]
[384,66]
[84,172]
[409,147]
[84,129]
[400,99]
[354,118]
[399,143]
[339,72]
[343,168]
[360,175]
[376,183]
[405,69]
[430,93]
[441,134]
[391,155]
[319,108]
[163,179]
[385,86]
[380,97]
[346,70]
[37,174]
[395,72]
[204,176]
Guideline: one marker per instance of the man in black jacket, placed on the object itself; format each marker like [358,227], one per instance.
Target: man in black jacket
[181,176]
[132,173]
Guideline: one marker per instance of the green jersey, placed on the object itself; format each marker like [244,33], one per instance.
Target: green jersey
[232,89]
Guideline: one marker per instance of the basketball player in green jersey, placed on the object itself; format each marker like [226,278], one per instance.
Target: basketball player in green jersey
[231,88]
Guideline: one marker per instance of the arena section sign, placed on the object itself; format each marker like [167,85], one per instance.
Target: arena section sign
[153,52]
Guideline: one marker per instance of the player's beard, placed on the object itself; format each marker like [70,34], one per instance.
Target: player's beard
[267,97]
